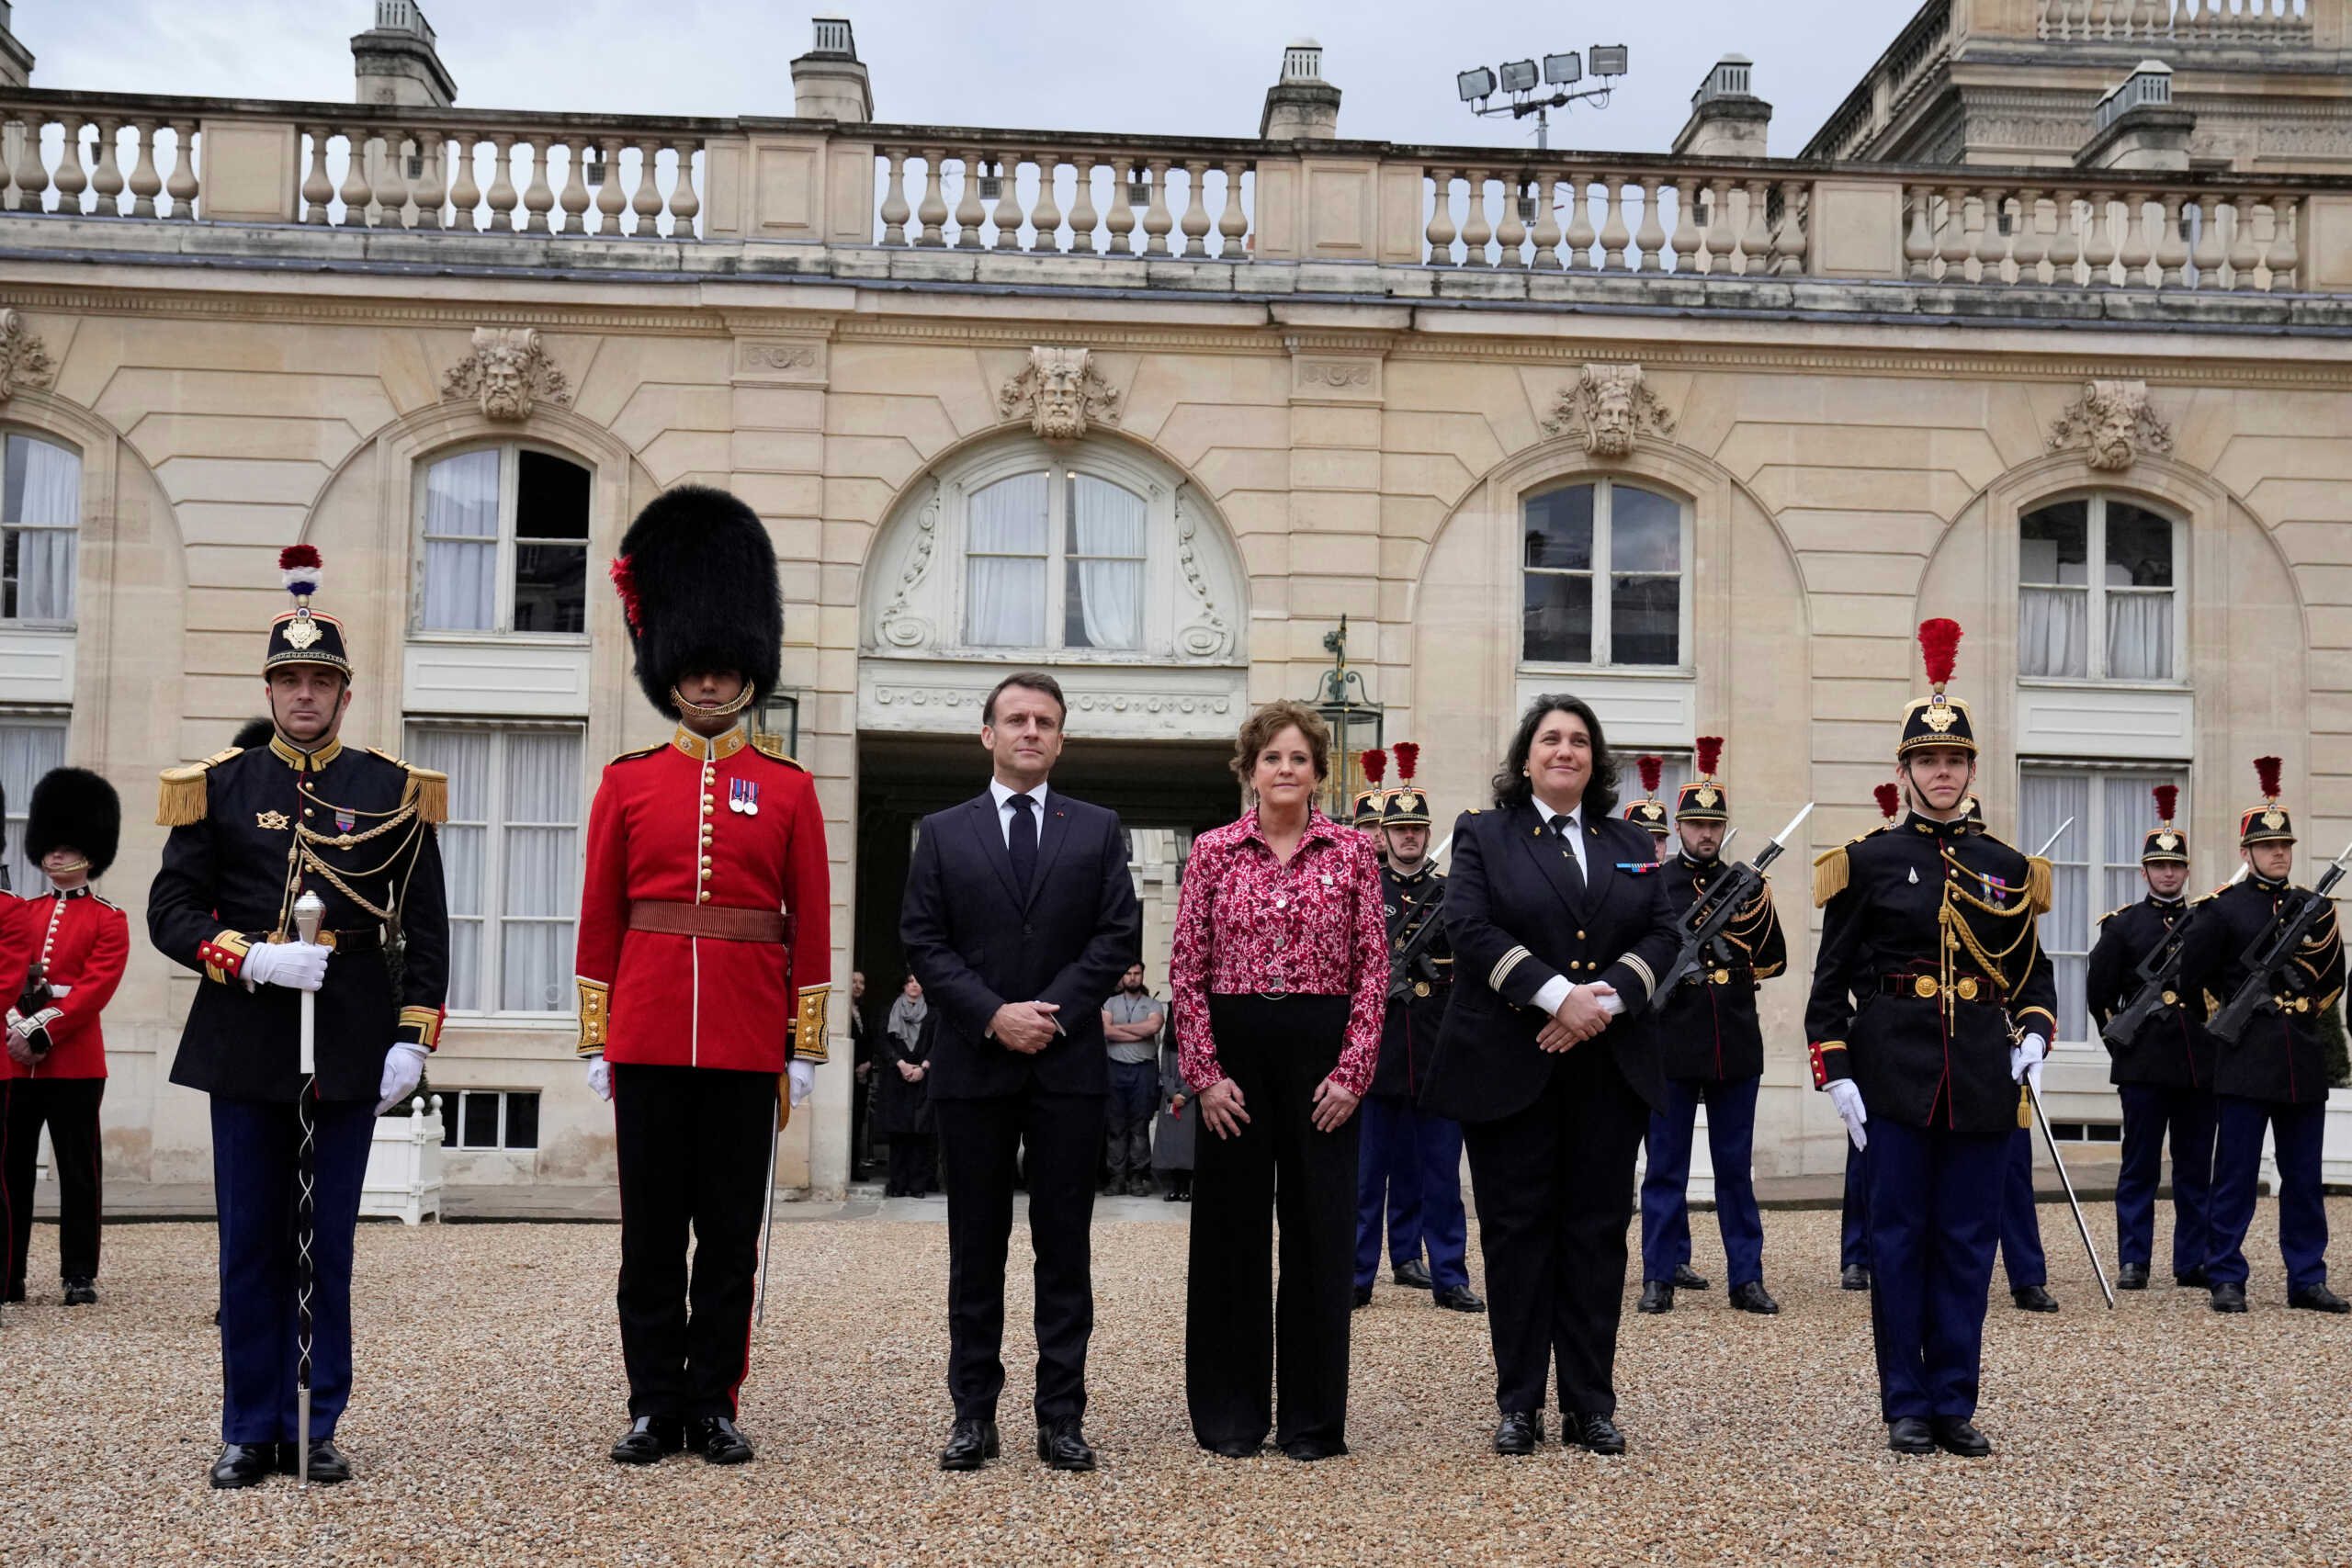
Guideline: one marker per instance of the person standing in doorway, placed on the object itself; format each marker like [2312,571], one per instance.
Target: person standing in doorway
[862,1081]
[1019,918]
[902,1105]
[1132,1022]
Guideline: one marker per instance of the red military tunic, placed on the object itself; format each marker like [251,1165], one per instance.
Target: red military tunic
[84,941]
[686,841]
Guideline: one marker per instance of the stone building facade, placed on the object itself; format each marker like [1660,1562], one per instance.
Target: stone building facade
[1702,438]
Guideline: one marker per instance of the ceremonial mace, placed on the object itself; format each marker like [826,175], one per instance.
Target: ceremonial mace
[2050,1139]
[309,910]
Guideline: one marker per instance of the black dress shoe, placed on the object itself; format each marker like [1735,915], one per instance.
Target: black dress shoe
[1657,1296]
[2131,1277]
[1750,1295]
[1062,1445]
[2318,1298]
[1518,1432]
[2228,1297]
[1169,1196]
[81,1292]
[1234,1447]
[2034,1298]
[2191,1279]
[717,1440]
[327,1464]
[1689,1279]
[1413,1276]
[1364,1295]
[1306,1451]
[1458,1298]
[1909,1434]
[1958,1435]
[650,1440]
[1854,1276]
[1597,1433]
[243,1464]
[970,1444]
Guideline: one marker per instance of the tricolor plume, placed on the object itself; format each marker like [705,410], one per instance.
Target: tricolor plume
[1890,800]
[1375,766]
[1408,757]
[2167,801]
[2266,770]
[1939,646]
[1710,751]
[1652,770]
[299,568]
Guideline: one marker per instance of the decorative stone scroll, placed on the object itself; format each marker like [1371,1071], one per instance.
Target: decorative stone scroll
[24,358]
[901,624]
[1062,391]
[1207,635]
[508,372]
[2113,420]
[1612,407]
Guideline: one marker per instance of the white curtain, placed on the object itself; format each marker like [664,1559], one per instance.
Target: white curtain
[2131,817]
[2053,632]
[542,862]
[461,543]
[1106,521]
[26,752]
[464,755]
[45,496]
[1004,581]
[2139,635]
[2048,799]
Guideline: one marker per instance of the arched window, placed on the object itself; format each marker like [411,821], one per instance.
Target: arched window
[1055,558]
[503,535]
[2099,592]
[1603,577]
[41,512]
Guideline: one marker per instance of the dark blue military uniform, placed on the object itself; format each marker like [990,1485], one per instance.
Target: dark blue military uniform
[1410,1162]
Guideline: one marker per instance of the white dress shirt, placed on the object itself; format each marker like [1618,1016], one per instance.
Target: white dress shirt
[1003,799]
[1559,988]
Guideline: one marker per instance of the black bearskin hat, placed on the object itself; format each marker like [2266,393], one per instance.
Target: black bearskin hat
[698,581]
[253,733]
[76,809]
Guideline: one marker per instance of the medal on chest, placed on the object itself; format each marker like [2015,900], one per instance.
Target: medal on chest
[345,821]
[744,796]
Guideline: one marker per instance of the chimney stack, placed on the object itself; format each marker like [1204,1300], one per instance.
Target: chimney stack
[15,60]
[395,60]
[829,82]
[1301,107]
[1726,120]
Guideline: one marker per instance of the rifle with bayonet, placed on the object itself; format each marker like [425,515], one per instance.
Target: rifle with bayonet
[1707,919]
[2267,958]
[2159,977]
[1409,962]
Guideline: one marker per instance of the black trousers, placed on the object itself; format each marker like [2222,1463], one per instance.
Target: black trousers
[693,1144]
[914,1163]
[979,1146]
[1245,1336]
[1554,1188]
[70,1107]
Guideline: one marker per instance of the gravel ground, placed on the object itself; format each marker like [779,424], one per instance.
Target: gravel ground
[489,1383]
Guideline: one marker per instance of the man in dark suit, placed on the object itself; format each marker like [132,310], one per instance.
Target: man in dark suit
[1019,919]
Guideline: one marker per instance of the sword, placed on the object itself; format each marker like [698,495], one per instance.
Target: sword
[2043,852]
[767,1224]
[2081,1225]
[309,910]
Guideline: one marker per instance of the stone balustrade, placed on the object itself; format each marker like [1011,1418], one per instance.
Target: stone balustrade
[2273,22]
[88,160]
[1109,198]
[2094,234]
[498,179]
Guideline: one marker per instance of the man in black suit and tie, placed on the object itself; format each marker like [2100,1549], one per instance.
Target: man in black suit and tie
[1020,916]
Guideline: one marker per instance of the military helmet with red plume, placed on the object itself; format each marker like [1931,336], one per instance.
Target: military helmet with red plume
[1938,719]
[1703,799]
[1370,798]
[1408,806]
[1649,811]
[2269,822]
[2168,845]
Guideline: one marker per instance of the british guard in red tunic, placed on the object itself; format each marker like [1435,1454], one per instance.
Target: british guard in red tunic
[705,951]
[56,1053]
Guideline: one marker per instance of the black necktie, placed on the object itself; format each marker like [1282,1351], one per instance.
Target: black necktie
[1563,828]
[1023,842]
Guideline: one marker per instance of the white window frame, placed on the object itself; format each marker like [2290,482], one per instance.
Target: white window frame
[493,921]
[1159,535]
[454,1121]
[1604,570]
[510,475]
[2094,834]
[2096,589]
[74,527]
[25,877]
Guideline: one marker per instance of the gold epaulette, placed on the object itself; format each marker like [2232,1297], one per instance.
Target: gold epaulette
[2038,890]
[1831,871]
[2111,914]
[772,746]
[184,795]
[427,790]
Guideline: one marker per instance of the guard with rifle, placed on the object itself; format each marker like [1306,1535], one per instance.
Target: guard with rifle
[1927,954]
[2267,958]
[1409,1170]
[253,833]
[1712,1049]
[2161,1058]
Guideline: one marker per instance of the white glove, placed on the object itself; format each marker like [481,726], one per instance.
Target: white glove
[300,966]
[403,1065]
[2025,1061]
[600,1077]
[1848,1101]
[803,1077]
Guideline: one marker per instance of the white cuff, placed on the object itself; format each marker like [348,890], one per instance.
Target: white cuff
[1553,992]
[1614,1005]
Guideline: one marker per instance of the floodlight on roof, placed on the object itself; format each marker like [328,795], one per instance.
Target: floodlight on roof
[1519,75]
[1610,59]
[1560,69]
[1476,84]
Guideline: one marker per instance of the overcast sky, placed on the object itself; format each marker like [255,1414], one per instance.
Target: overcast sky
[1186,68]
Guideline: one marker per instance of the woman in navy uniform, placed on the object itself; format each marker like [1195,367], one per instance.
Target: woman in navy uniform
[2164,1077]
[1927,954]
[1560,927]
[251,832]
[2276,1075]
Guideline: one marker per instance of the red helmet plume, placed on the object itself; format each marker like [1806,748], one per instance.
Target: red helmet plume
[1375,766]
[2168,802]
[1890,800]
[2266,769]
[1710,751]
[625,584]
[1408,757]
[1939,646]
[1652,770]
